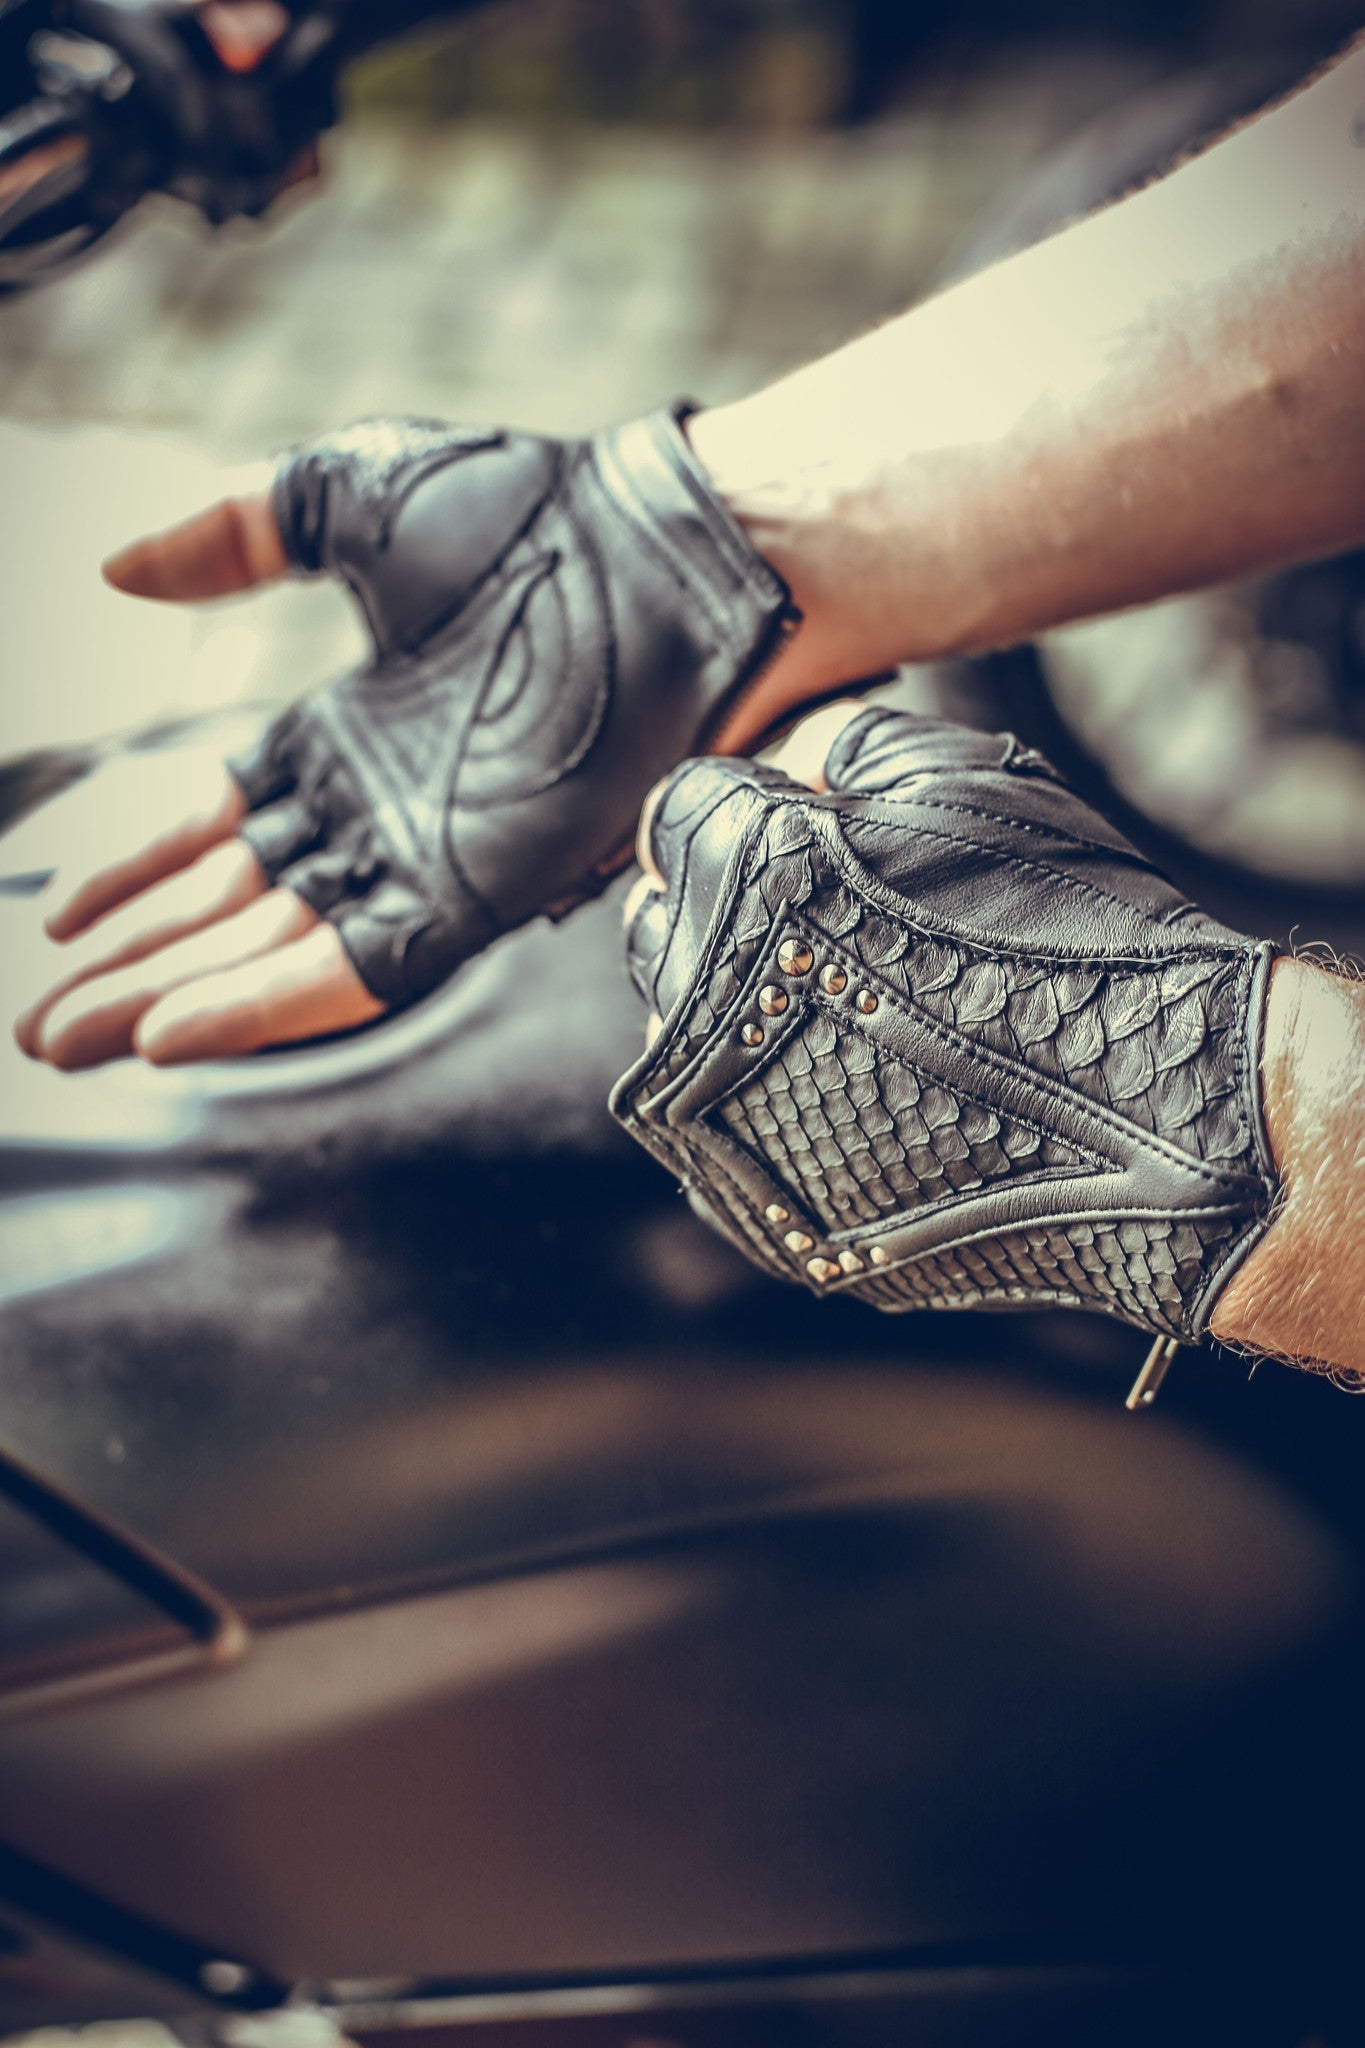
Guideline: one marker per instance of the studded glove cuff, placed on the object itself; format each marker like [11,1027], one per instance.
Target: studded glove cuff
[942,1038]
[554,624]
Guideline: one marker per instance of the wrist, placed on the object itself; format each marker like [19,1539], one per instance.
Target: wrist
[1301,1293]
[816,502]
[915,490]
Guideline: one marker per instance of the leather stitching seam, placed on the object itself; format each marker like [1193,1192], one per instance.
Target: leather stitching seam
[1070,1097]
[890,901]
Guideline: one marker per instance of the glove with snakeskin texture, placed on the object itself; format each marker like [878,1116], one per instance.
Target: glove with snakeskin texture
[940,1037]
[555,624]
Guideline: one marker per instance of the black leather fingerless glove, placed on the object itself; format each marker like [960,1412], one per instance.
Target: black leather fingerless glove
[943,1038]
[555,624]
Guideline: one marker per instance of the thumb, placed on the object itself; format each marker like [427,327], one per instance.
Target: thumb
[232,546]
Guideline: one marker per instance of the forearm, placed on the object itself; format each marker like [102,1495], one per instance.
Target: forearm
[1301,1293]
[1166,394]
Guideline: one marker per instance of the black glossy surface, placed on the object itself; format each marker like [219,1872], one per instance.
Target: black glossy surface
[846,1632]
[966,1704]
[942,2004]
[619,1611]
[55,1604]
[410,1304]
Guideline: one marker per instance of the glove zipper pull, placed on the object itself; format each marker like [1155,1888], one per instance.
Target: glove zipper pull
[1155,1367]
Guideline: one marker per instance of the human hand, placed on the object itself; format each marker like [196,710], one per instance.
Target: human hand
[554,624]
[938,1036]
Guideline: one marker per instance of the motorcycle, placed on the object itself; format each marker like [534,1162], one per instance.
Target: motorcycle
[446,1594]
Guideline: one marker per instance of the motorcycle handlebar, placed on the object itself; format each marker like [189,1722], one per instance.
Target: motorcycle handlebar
[103,101]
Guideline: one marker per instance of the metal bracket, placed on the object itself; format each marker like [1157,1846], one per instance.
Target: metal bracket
[214,1633]
[1155,1367]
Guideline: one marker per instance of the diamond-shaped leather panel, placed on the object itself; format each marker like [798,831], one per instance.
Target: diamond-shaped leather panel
[865,1136]
[1140,1270]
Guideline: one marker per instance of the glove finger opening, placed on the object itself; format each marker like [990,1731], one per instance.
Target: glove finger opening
[279,834]
[267,770]
[647,936]
[344,870]
[705,812]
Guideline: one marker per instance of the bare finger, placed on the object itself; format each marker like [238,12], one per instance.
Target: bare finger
[96,1022]
[644,885]
[803,753]
[305,990]
[234,545]
[220,883]
[201,805]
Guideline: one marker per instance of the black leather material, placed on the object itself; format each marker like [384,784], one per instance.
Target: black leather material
[555,624]
[1000,1060]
